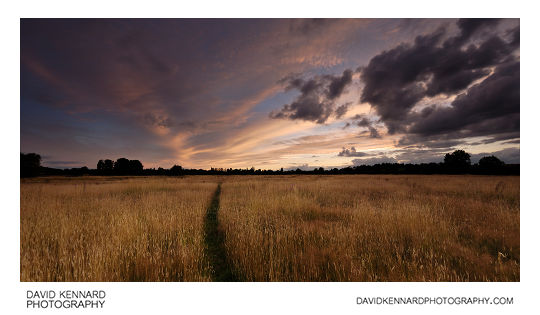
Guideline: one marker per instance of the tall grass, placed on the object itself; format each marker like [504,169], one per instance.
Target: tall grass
[106,229]
[372,228]
[271,228]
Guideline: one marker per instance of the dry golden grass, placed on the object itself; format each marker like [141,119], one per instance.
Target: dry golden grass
[372,228]
[271,228]
[114,229]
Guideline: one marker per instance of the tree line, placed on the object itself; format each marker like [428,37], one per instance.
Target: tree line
[457,162]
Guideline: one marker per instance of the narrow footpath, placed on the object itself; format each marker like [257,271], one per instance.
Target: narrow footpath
[215,243]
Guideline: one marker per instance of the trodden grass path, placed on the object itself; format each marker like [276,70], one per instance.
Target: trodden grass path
[215,242]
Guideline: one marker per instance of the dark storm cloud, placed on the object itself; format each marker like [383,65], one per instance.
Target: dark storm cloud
[397,79]
[391,78]
[468,27]
[316,101]
[434,64]
[515,37]
[491,107]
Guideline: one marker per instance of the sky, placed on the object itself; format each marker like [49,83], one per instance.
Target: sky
[269,93]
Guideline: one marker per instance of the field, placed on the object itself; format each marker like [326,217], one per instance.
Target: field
[114,230]
[271,228]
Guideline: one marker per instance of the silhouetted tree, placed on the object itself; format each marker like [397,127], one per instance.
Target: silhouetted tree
[458,160]
[176,170]
[491,165]
[121,166]
[108,165]
[30,164]
[105,167]
[135,167]
[161,171]
[490,162]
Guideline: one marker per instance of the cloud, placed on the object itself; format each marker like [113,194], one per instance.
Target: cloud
[374,160]
[418,156]
[508,155]
[361,120]
[139,79]
[342,109]
[406,155]
[316,101]
[63,163]
[429,142]
[435,155]
[338,84]
[397,79]
[517,141]
[352,152]
[468,27]
[488,108]
[134,88]
[157,120]
[466,68]
[303,167]
[390,79]
[305,27]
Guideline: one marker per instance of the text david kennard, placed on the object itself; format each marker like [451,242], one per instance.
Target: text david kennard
[65,299]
